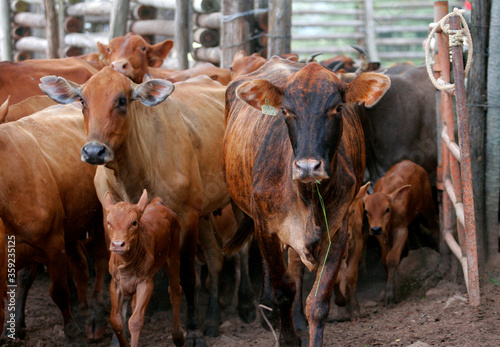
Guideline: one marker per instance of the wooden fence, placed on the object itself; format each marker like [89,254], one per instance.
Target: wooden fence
[390,31]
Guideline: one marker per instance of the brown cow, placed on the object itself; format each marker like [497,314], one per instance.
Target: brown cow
[10,113]
[143,238]
[346,296]
[403,194]
[132,56]
[20,80]
[48,202]
[216,73]
[171,150]
[309,143]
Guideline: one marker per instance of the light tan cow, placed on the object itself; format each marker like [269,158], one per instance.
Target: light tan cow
[149,136]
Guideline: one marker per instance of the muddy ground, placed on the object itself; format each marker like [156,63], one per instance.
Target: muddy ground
[440,317]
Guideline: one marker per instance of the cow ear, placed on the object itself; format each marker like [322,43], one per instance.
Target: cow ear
[363,190]
[400,194]
[60,90]
[159,52]
[4,110]
[143,201]
[103,51]
[239,55]
[107,201]
[367,88]
[256,92]
[153,92]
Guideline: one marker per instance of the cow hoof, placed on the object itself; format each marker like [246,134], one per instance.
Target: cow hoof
[211,330]
[247,312]
[74,336]
[95,326]
[178,339]
[194,338]
[338,319]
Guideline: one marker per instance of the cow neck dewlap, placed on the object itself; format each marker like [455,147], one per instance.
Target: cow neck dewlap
[137,261]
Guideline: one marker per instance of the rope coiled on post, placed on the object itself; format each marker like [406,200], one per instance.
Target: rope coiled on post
[456,38]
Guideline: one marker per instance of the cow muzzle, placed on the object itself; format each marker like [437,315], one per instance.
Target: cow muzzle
[118,247]
[123,67]
[376,230]
[96,153]
[309,170]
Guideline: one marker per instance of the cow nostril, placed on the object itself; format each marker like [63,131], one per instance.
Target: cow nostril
[120,244]
[376,230]
[124,66]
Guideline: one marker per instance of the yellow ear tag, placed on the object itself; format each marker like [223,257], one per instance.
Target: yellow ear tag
[268,109]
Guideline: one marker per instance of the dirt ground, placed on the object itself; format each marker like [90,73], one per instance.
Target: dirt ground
[440,318]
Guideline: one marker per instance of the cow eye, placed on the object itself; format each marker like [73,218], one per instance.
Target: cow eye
[134,223]
[109,49]
[387,210]
[143,48]
[339,108]
[122,101]
[283,110]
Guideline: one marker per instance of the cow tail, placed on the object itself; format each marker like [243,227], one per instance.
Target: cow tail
[240,238]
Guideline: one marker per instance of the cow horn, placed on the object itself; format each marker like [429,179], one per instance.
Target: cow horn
[312,56]
[364,59]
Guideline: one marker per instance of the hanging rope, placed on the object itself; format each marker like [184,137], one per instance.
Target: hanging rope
[456,38]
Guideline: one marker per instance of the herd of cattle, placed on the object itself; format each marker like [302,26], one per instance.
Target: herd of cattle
[272,150]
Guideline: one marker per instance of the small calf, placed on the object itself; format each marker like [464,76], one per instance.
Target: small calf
[346,283]
[402,195]
[143,238]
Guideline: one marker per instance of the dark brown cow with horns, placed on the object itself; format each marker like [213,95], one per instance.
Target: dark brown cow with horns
[284,170]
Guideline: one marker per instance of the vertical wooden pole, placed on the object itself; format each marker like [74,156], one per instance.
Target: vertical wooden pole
[119,16]
[182,32]
[476,95]
[235,29]
[60,27]
[370,36]
[5,39]
[51,29]
[280,24]
[492,133]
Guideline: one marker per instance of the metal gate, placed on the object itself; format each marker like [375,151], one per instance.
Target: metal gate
[454,176]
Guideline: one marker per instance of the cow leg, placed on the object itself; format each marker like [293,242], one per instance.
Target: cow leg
[267,299]
[95,327]
[318,301]
[116,319]
[189,235]
[341,296]
[392,262]
[282,282]
[143,293]
[246,296]
[25,279]
[384,246]
[171,268]
[296,268]
[78,262]
[58,272]
[215,262]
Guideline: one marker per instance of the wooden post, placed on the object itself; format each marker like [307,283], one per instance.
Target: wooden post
[235,31]
[493,130]
[119,16]
[280,23]
[5,39]
[476,95]
[371,45]
[52,29]
[60,28]
[183,25]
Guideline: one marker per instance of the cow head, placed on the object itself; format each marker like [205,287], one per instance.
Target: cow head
[243,64]
[380,206]
[131,55]
[107,103]
[123,222]
[312,103]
